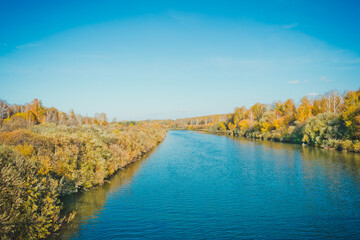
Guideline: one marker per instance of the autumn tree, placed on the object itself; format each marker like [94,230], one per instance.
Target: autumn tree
[279,109]
[258,110]
[319,106]
[239,114]
[4,110]
[37,110]
[289,111]
[305,109]
[333,102]
[351,114]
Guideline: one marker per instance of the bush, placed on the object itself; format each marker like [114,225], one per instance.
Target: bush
[357,146]
[40,164]
[323,127]
[347,145]
[29,205]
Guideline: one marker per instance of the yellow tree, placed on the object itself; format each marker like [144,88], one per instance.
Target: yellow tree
[258,110]
[305,109]
[279,109]
[318,106]
[351,114]
[231,126]
[239,115]
[289,111]
[35,112]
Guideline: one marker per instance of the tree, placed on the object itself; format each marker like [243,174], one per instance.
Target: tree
[4,110]
[52,115]
[305,109]
[250,115]
[239,115]
[36,110]
[333,101]
[231,126]
[318,106]
[258,111]
[351,114]
[289,111]
[323,127]
[279,109]
[100,119]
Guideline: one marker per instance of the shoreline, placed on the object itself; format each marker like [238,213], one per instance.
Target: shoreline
[267,139]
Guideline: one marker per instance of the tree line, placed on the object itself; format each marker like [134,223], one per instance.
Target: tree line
[34,113]
[331,120]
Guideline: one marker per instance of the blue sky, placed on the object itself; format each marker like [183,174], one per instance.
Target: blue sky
[170,59]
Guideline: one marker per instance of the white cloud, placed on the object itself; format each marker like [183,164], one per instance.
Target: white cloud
[312,94]
[306,81]
[294,82]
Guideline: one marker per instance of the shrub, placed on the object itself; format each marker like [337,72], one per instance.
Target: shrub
[41,163]
[29,207]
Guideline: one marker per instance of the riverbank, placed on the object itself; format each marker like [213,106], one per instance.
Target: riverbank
[204,186]
[294,135]
[331,120]
[42,163]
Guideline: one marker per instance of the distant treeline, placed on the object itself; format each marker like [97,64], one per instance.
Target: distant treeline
[331,120]
[46,154]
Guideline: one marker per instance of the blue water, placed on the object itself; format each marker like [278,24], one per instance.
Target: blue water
[199,186]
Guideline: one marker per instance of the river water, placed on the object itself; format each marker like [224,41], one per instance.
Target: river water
[200,186]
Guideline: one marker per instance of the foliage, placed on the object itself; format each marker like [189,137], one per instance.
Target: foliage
[323,127]
[330,120]
[52,154]
[29,204]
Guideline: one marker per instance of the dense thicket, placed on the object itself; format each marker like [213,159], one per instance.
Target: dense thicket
[45,154]
[331,120]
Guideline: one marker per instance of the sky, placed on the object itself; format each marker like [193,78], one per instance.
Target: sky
[136,60]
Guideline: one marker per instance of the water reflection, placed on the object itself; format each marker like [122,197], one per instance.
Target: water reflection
[209,187]
[317,168]
[88,205]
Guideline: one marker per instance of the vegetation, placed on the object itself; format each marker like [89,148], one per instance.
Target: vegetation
[46,154]
[329,121]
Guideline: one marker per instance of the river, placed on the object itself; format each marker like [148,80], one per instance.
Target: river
[200,186]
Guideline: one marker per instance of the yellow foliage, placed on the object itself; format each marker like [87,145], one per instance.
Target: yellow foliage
[278,123]
[231,126]
[266,127]
[16,115]
[45,163]
[26,150]
[222,126]
[244,124]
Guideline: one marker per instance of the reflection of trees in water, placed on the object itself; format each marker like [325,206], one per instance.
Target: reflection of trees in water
[86,204]
[338,167]
[312,163]
[324,157]
[308,165]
